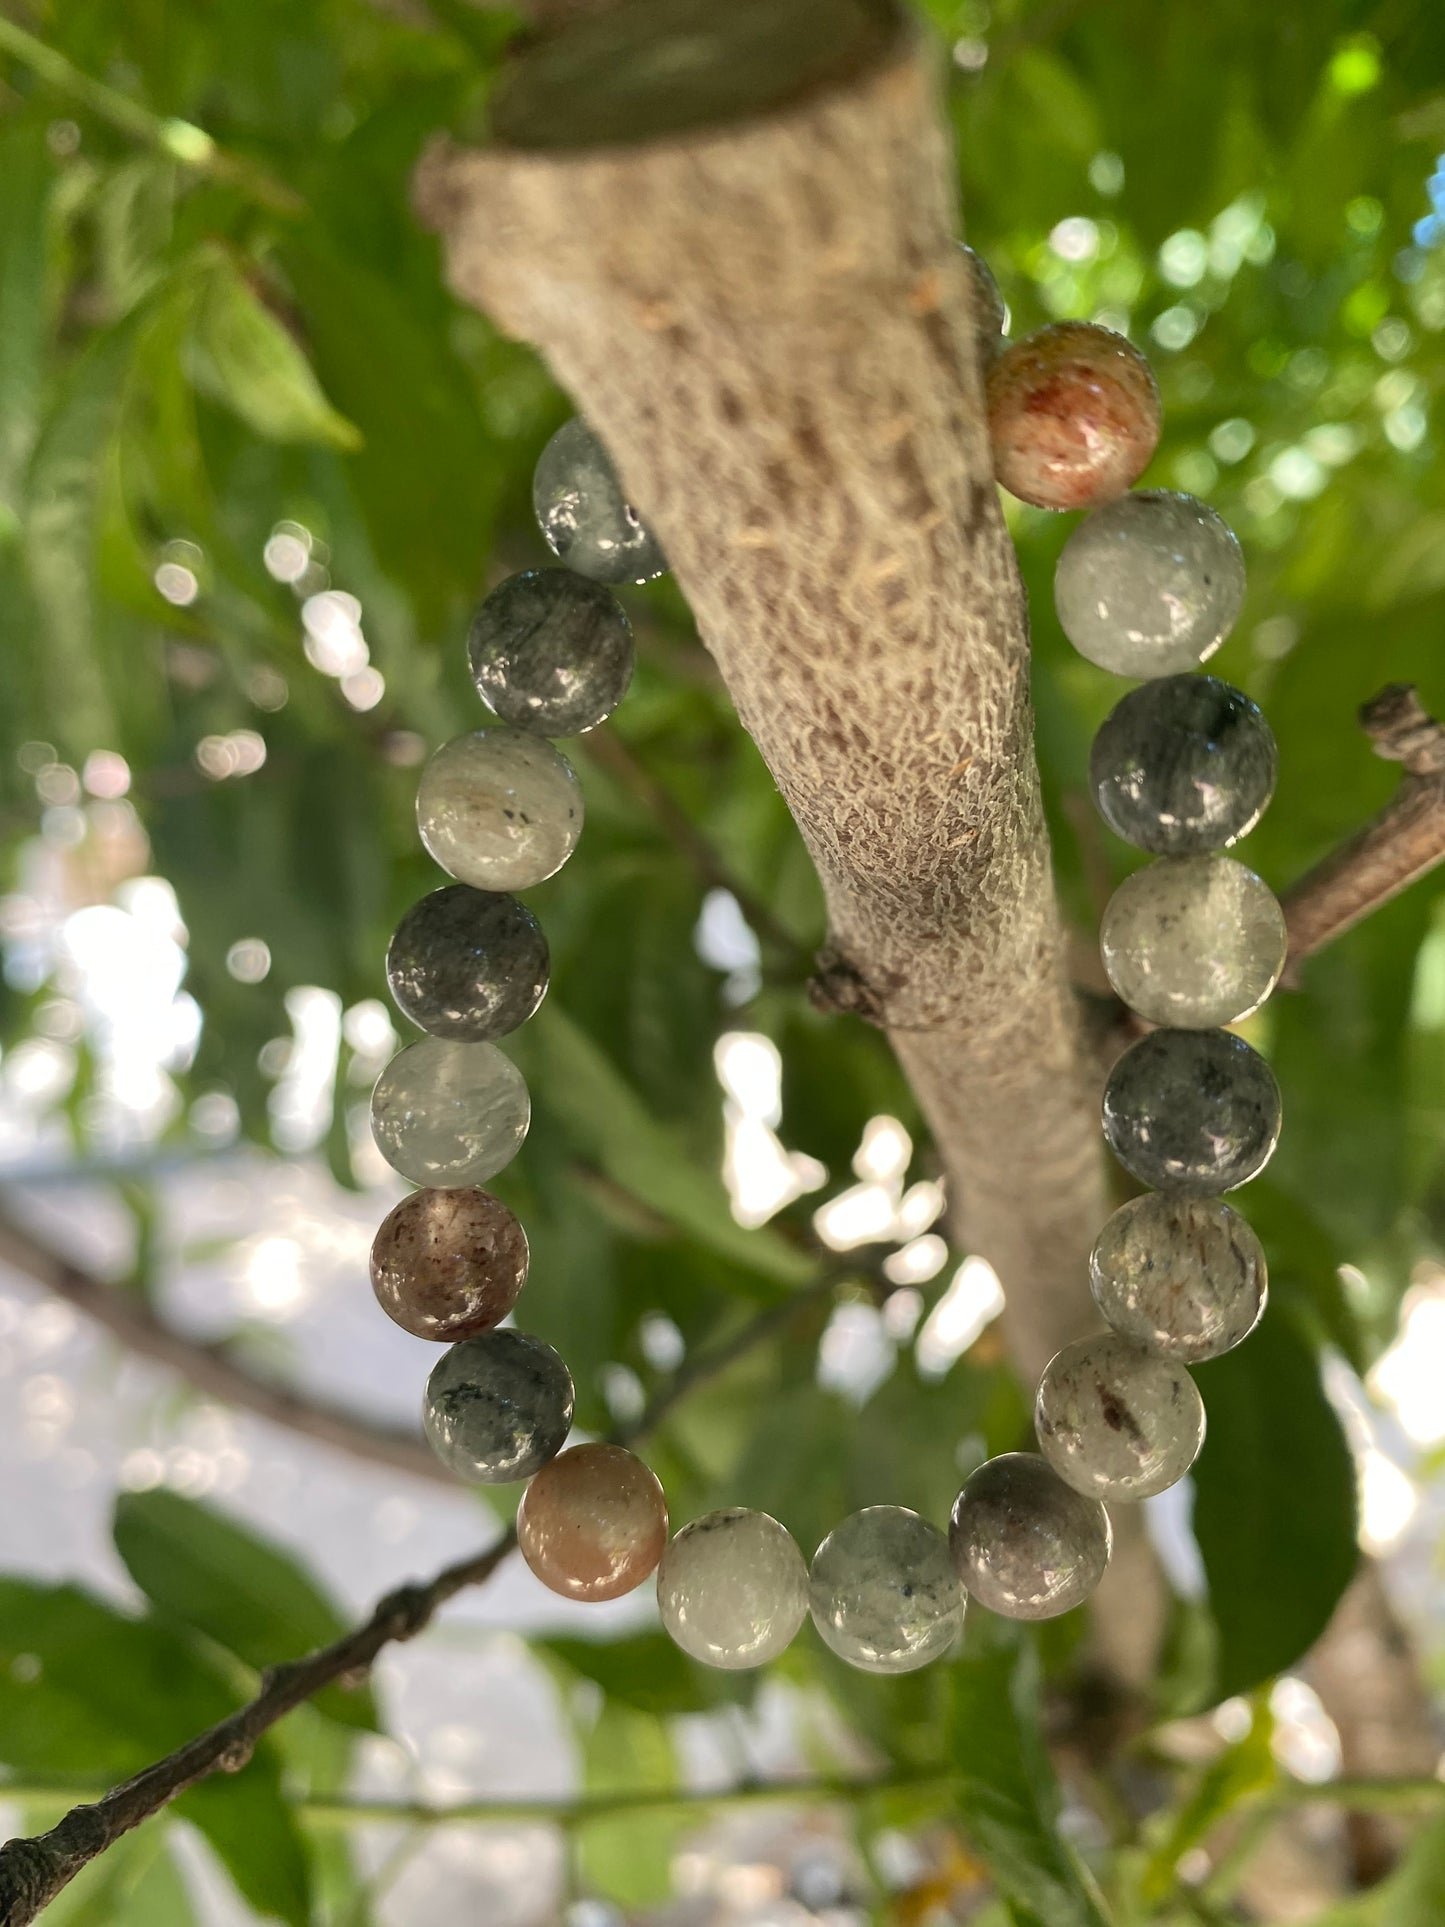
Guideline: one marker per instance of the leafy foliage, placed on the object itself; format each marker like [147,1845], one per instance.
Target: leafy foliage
[197,356]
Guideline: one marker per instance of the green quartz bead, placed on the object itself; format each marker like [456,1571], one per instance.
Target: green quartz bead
[1193,941]
[883,1591]
[448,1114]
[1185,1276]
[1116,1421]
[1026,1544]
[732,1588]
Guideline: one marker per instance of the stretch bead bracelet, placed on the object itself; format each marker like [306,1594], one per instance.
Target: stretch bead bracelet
[1147,587]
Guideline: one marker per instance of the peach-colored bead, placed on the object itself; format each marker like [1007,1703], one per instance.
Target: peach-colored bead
[1073,415]
[593,1523]
[449,1264]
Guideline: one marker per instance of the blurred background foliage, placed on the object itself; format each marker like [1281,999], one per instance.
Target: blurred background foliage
[256,468]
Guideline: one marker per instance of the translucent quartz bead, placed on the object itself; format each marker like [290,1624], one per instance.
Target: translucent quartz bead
[593,1524]
[1149,585]
[446,1113]
[883,1591]
[989,312]
[1116,1421]
[1185,1276]
[583,514]
[1193,941]
[732,1588]
[1073,415]
[1192,1111]
[1025,1544]
[498,1407]
[499,809]
[448,1264]
[551,652]
[468,964]
[1183,765]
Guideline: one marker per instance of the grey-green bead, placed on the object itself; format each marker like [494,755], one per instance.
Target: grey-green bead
[445,1114]
[551,652]
[732,1588]
[1116,1421]
[1149,584]
[883,1591]
[1192,1111]
[498,1407]
[1185,1276]
[583,513]
[1193,941]
[1183,765]
[1025,1544]
[499,809]
[468,964]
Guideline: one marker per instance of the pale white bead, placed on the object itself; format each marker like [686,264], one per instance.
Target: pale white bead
[883,1591]
[499,809]
[447,1114]
[1193,941]
[732,1588]
[1116,1421]
[1186,1276]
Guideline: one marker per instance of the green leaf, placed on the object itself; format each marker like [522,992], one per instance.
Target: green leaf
[611,1126]
[252,363]
[26,173]
[627,1857]
[209,1572]
[645,1672]
[1241,1770]
[87,1693]
[135,1883]
[1008,1797]
[1275,1503]
[1413,1896]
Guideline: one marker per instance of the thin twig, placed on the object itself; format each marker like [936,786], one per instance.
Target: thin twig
[33,1871]
[1403,843]
[211,1367]
[181,140]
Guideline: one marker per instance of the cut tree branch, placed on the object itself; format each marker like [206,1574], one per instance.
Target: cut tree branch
[731,231]
[34,1871]
[211,1367]
[1403,843]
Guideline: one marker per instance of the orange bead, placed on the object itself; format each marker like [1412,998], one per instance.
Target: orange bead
[449,1264]
[593,1523]
[1073,415]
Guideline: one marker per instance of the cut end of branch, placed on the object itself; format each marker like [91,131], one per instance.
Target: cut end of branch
[1403,730]
[839,988]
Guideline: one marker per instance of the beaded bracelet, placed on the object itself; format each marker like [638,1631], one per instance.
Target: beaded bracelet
[1147,586]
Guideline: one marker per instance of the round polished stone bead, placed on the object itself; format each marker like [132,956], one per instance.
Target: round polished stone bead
[1183,765]
[499,809]
[551,652]
[593,1524]
[732,1588]
[584,515]
[883,1591]
[498,1407]
[1193,941]
[1185,1276]
[1025,1544]
[1116,1421]
[448,1264]
[1192,1111]
[468,964]
[446,1113]
[1149,585]
[989,312]
[1073,416]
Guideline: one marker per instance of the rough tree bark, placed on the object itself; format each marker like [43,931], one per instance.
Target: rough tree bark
[769,321]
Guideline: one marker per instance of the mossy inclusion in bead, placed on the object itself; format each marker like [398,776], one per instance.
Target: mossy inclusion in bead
[1024,1543]
[445,1113]
[584,515]
[1185,1276]
[1073,416]
[449,1264]
[1116,1421]
[732,1588]
[498,1407]
[1192,1111]
[1149,585]
[499,809]
[1193,941]
[1183,765]
[593,1523]
[883,1591]
[468,964]
[551,652]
